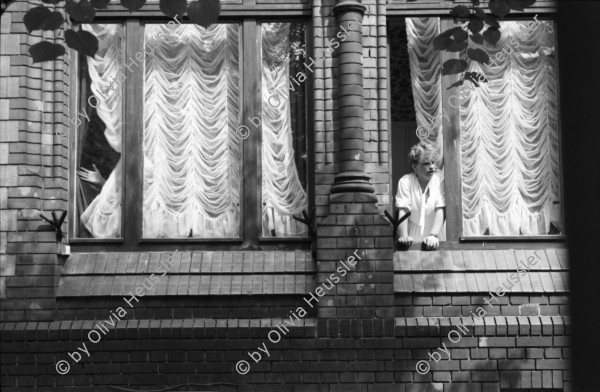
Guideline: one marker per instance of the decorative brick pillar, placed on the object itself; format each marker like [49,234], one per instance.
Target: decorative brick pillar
[355,277]
[351,176]
[361,303]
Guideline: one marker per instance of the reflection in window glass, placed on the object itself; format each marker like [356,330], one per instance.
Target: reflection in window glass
[98,183]
[284,154]
[509,137]
[191,149]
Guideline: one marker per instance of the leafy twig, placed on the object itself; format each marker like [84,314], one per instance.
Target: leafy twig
[457,39]
[201,12]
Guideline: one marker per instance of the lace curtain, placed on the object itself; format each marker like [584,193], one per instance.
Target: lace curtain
[509,131]
[191,150]
[426,78]
[102,217]
[283,194]
[191,112]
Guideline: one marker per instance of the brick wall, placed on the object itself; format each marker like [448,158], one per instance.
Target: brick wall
[33,162]
[391,311]
[159,354]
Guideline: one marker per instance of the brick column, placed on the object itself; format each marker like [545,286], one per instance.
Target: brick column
[361,304]
[351,176]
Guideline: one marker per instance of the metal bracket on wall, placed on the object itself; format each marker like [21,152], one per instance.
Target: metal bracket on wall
[56,223]
[309,221]
[395,221]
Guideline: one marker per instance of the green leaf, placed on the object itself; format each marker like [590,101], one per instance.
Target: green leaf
[475,78]
[133,5]
[442,42]
[460,11]
[204,13]
[499,7]
[45,51]
[477,38]
[492,20]
[100,4]
[82,12]
[173,8]
[41,18]
[475,25]
[457,46]
[457,84]
[82,41]
[479,13]
[460,35]
[450,32]
[478,55]
[453,66]
[4,5]
[520,5]
[492,35]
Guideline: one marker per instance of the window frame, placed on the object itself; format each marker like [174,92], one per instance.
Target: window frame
[455,240]
[251,165]
[452,156]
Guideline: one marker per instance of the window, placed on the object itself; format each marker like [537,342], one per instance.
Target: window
[509,138]
[190,133]
[498,144]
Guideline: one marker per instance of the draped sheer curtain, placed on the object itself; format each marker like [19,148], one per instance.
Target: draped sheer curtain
[509,131]
[283,194]
[426,78]
[191,113]
[509,138]
[192,144]
[102,216]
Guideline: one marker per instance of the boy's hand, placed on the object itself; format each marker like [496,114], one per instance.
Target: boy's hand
[431,242]
[405,241]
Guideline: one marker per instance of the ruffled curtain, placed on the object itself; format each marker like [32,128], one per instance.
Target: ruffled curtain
[192,152]
[282,191]
[191,113]
[509,143]
[102,217]
[426,78]
[509,133]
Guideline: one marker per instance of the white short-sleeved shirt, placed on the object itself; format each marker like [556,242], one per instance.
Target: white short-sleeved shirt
[422,205]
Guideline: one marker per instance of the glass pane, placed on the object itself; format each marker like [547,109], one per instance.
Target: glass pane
[191,149]
[98,184]
[283,118]
[509,137]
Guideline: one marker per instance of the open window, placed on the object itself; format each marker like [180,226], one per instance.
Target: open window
[497,143]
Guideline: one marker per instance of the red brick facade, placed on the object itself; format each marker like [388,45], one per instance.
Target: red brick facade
[368,333]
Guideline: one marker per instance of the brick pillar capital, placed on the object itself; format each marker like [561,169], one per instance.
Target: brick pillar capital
[349,5]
